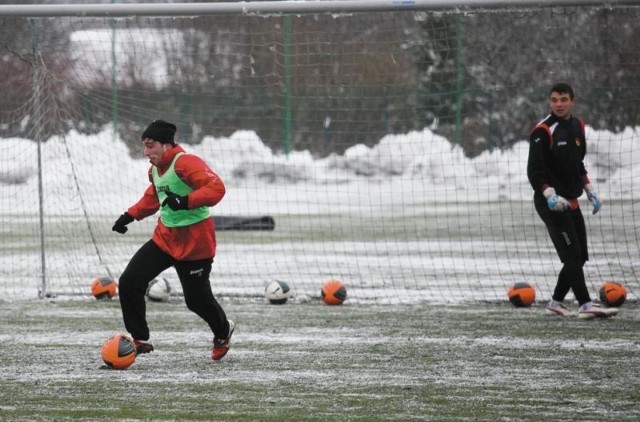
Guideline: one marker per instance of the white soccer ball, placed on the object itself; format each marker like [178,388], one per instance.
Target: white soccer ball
[277,292]
[159,290]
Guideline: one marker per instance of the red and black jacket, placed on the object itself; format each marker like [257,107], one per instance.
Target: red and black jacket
[557,148]
[197,241]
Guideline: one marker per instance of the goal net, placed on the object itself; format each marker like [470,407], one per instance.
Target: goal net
[388,147]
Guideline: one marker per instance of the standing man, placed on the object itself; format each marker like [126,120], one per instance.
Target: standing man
[558,176]
[183,187]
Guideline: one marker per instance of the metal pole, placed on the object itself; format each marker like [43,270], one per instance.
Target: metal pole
[114,82]
[459,80]
[38,110]
[287,86]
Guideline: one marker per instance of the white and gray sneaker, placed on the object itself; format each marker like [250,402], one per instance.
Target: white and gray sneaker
[556,308]
[591,310]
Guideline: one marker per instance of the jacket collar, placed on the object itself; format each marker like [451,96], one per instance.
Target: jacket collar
[168,157]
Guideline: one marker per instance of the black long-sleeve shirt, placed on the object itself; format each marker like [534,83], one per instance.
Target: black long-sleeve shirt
[557,148]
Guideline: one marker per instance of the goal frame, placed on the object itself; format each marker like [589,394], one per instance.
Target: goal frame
[269,9]
[287,6]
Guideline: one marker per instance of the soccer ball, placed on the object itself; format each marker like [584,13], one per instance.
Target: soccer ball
[277,292]
[333,292]
[521,295]
[612,294]
[118,352]
[159,290]
[103,288]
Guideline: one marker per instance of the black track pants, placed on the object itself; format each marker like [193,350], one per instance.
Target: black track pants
[568,233]
[146,264]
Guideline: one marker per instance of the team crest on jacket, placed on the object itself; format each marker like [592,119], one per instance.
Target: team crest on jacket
[578,141]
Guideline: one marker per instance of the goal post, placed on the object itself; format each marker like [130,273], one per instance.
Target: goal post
[384,142]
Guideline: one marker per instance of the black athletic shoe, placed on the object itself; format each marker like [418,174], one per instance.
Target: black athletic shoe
[143,347]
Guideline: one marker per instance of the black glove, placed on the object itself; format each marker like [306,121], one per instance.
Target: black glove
[121,223]
[176,202]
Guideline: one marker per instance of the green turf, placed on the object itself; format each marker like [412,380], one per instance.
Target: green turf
[308,361]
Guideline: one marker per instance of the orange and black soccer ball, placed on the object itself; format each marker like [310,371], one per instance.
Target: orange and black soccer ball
[522,294]
[103,288]
[612,294]
[333,292]
[118,352]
